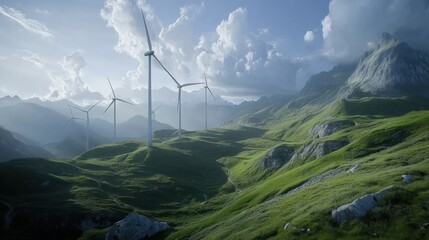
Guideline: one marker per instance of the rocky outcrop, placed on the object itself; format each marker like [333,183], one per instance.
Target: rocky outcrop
[277,157]
[135,227]
[359,207]
[314,150]
[326,129]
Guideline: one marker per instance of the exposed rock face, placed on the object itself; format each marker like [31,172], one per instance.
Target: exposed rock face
[326,129]
[393,69]
[315,150]
[359,207]
[135,227]
[277,157]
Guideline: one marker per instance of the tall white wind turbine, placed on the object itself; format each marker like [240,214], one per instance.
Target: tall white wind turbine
[151,53]
[179,103]
[206,87]
[114,99]
[87,121]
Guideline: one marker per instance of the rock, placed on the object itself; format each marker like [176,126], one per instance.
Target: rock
[359,207]
[315,150]
[135,227]
[354,168]
[407,178]
[277,157]
[326,129]
[286,226]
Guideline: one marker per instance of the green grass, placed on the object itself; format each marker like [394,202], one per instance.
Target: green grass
[210,185]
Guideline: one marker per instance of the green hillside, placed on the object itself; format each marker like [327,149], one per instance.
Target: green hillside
[211,185]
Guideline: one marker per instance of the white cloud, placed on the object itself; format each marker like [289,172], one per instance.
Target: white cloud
[70,85]
[27,23]
[309,36]
[243,62]
[352,27]
[33,58]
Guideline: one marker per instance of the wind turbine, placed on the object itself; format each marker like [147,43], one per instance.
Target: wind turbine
[153,116]
[87,121]
[72,118]
[179,103]
[149,54]
[114,99]
[206,87]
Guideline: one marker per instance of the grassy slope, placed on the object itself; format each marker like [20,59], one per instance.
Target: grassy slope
[170,181]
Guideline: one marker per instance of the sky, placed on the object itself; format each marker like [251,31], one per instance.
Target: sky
[247,48]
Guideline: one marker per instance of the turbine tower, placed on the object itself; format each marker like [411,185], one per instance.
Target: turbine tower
[206,87]
[87,121]
[149,54]
[114,99]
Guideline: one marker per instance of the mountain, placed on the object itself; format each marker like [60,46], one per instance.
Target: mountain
[74,142]
[393,69]
[39,124]
[11,148]
[135,128]
[324,86]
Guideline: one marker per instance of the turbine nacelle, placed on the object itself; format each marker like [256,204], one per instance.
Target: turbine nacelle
[149,53]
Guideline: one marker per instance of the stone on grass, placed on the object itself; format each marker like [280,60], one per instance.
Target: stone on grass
[354,168]
[135,227]
[359,207]
[407,178]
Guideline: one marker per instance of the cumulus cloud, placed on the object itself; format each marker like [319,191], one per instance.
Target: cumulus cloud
[309,36]
[243,62]
[173,44]
[234,57]
[352,27]
[71,85]
[28,24]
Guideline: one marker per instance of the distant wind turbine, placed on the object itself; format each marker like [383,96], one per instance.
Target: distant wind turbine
[87,121]
[151,53]
[179,103]
[114,99]
[206,87]
[154,117]
[72,119]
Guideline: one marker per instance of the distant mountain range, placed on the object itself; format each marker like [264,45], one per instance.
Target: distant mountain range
[11,148]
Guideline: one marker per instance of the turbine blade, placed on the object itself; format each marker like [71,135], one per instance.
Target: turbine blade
[68,122]
[205,78]
[125,101]
[79,119]
[93,106]
[71,112]
[212,94]
[111,87]
[78,108]
[147,32]
[108,106]
[157,108]
[190,84]
[156,58]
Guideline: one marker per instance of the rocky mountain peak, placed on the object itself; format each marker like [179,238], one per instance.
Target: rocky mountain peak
[393,69]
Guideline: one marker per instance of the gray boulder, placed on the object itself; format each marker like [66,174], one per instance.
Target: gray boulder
[135,227]
[277,157]
[359,207]
[326,129]
[315,150]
